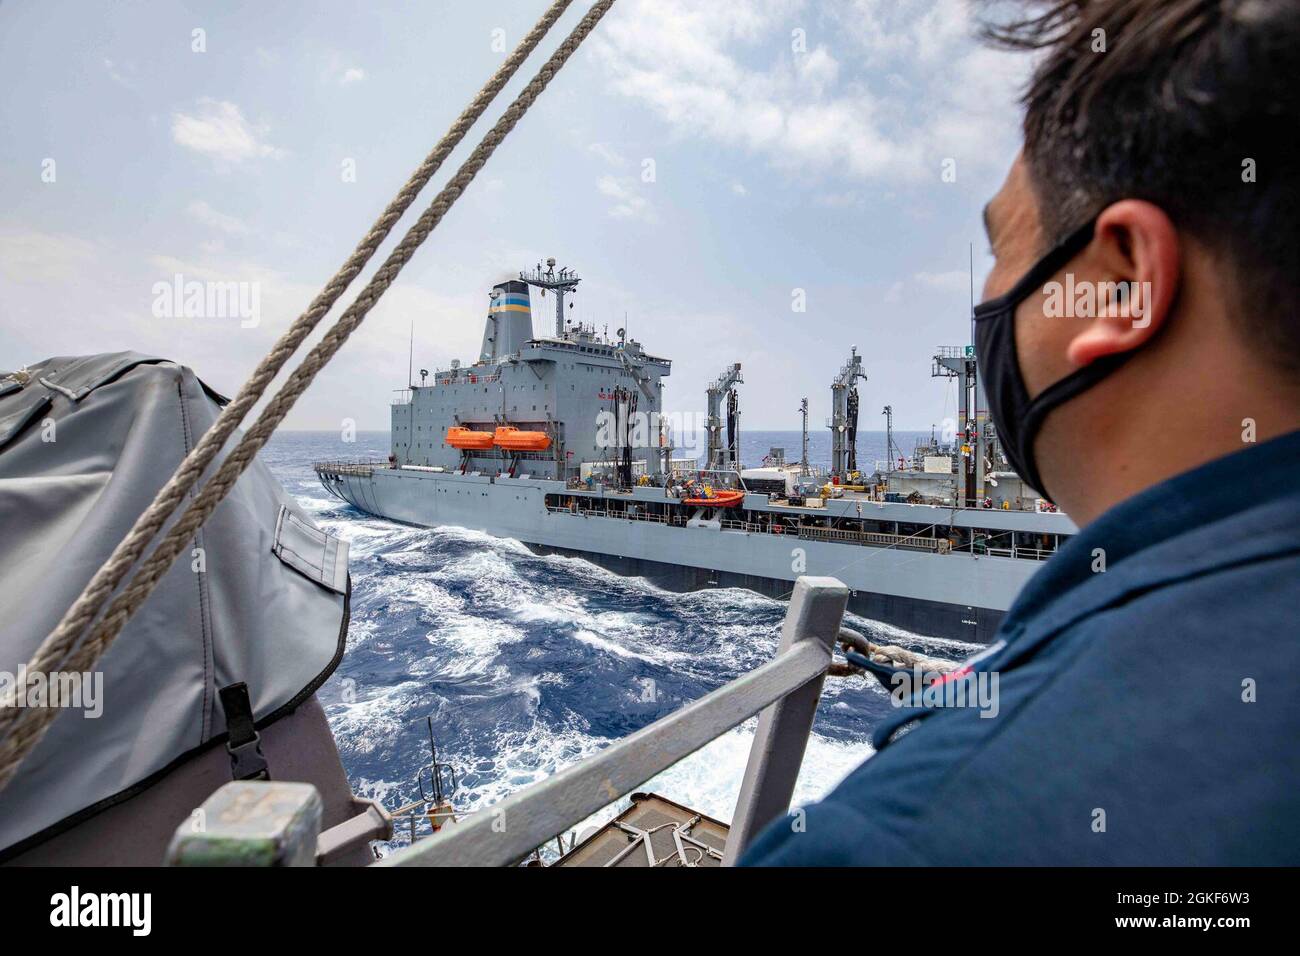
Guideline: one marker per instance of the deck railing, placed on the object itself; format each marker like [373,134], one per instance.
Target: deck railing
[357,467]
[784,692]
[877,539]
[603,513]
[871,539]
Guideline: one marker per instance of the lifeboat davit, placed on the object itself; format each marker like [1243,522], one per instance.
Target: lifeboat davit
[720,499]
[467,438]
[512,439]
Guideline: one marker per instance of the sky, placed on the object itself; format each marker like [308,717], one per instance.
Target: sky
[769,182]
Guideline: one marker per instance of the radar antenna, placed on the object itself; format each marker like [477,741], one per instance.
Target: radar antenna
[561,282]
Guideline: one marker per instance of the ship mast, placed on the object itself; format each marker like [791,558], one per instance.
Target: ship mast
[844,416]
[560,282]
[888,412]
[803,461]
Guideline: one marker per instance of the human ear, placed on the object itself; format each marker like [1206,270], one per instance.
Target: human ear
[1134,259]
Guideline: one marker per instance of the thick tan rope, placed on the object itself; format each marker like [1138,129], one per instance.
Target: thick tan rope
[169,498]
[27,726]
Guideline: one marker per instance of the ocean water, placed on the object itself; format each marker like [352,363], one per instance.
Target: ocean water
[527,664]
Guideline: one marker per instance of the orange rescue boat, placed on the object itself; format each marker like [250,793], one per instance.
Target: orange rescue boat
[720,499]
[468,439]
[512,439]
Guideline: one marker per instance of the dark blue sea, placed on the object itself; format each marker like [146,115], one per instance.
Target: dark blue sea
[527,663]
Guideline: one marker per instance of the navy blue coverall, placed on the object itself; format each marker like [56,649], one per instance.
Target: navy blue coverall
[1148,714]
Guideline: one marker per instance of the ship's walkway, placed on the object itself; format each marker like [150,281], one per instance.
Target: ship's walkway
[929,540]
[867,538]
[788,521]
[357,468]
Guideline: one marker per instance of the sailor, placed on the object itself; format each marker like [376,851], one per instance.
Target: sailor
[1138,706]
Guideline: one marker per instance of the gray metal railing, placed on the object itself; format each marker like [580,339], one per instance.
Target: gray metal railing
[277,824]
[785,689]
[877,539]
[602,513]
[359,467]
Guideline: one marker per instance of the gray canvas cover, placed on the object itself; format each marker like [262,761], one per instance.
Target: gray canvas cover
[262,598]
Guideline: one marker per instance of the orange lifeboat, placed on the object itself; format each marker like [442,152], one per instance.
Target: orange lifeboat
[468,439]
[512,439]
[720,499]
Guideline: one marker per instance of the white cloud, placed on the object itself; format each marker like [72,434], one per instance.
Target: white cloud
[217,129]
[884,91]
[957,280]
[739,189]
[118,75]
[205,215]
[32,256]
[607,153]
[627,203]
[839,200]
[338,68]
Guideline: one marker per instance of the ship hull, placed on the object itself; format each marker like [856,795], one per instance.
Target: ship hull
[959,596]
[918,615]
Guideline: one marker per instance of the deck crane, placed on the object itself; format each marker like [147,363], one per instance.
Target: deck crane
[724,457]
[844,417]
[973,427]
[657,459]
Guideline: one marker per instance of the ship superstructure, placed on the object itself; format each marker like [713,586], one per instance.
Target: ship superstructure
[558,441]
[576,387]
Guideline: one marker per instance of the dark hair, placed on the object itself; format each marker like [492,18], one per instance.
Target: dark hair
[1187,99]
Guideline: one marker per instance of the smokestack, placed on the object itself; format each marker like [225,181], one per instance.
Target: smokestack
[509,321]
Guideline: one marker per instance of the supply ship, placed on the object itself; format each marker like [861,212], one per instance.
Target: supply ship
[560,441]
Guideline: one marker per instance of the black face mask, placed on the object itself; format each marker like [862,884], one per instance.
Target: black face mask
[1017,418]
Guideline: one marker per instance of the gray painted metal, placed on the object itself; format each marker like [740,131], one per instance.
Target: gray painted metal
[849,373]
[508,327]
[559,385]
[370,822]
[719,454]
[563,386]
[516,508]
[813,618]
[508,831]
[566,280]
